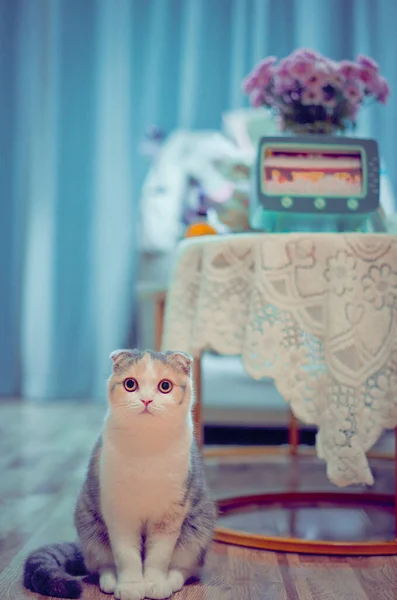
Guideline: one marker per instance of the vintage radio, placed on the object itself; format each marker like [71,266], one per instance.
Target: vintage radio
[315,183]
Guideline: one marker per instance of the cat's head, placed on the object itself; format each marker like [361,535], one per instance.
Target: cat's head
[151,385]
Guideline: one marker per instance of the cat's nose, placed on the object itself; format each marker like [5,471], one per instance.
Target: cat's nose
[146,402]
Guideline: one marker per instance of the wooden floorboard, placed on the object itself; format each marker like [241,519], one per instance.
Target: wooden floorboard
[43,455]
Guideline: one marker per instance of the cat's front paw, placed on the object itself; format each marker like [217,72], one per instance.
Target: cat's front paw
[176,580]
[108,581]
[130,591]
[158,586]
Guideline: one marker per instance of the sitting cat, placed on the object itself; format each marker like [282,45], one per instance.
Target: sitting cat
[144,517]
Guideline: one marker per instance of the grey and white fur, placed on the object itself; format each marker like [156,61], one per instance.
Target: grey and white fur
[144,517]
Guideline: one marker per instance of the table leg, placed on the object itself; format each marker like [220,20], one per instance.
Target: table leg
[293,434]
[395,484]
[158,334]
[198,426]
[159,309]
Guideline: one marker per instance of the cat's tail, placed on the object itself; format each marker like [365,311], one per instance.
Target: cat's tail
[53,570]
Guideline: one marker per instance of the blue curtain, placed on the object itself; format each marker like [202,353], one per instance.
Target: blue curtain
[67,209]
[80,81]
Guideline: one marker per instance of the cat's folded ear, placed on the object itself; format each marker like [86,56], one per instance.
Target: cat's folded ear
[121,356]
[180,360]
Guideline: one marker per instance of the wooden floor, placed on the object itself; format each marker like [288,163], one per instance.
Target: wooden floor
[43,455]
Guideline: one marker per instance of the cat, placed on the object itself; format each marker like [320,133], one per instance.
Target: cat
[144,516]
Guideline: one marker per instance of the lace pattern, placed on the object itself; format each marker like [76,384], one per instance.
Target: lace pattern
[315,312]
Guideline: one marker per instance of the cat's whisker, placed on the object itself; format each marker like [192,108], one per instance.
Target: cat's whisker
[128,404]
[159,409]
[127,409]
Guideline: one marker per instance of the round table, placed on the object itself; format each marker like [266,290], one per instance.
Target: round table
[315,312]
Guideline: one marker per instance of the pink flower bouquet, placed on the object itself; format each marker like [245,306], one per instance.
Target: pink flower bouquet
[313,94]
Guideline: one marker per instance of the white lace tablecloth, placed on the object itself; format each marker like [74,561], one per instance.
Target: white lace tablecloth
[315,312]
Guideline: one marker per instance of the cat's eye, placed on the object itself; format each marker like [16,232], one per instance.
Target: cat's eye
[165,386]
[130,384]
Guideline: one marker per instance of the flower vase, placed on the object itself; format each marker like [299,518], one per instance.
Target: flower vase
[318,128]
